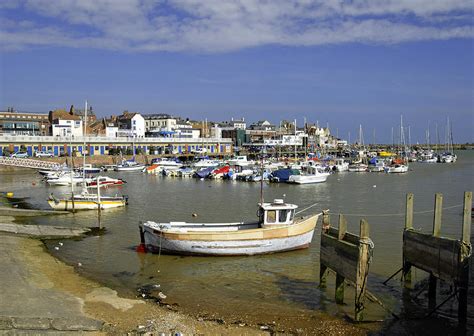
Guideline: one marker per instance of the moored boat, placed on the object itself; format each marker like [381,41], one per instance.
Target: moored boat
[277,230]
[86,201]
[105,181]
[130,166]
[313,175]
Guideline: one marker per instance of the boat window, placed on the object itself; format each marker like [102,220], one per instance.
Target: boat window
[282,215]
[292,214]
[271,216]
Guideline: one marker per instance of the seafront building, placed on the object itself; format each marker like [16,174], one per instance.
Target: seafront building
[62,133]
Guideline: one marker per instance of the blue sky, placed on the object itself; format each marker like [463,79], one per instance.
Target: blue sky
[336,62]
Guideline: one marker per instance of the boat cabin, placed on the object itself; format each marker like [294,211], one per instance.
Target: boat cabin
[276,213]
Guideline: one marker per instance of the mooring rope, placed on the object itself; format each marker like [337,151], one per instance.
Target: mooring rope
[395,214]
[306,208]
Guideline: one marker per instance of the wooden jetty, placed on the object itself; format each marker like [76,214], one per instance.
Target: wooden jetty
[349,256]
[443,258]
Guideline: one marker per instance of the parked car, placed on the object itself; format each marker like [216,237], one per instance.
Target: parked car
[199,151]
[19,155]
[44,154]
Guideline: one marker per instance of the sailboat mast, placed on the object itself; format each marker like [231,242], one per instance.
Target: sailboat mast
[295,143]
[83,150]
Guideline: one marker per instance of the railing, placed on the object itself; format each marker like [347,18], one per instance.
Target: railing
[99,139]
[27,163]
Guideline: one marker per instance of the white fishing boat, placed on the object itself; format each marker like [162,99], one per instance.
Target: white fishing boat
[358,167]
[397,168]
[313,174]
[240,160]
[65,179]
[130,165]
[206,163]
[278,229]
[341,165]
[448,157]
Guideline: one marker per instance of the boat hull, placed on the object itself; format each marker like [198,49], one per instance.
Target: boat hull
[307,179]
[67,204]
[238,242]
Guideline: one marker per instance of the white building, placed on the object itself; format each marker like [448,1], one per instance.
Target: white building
[160,122]
[65,125]
[131,125]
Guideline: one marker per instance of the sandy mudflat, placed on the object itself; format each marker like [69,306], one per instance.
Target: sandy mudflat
[126,315]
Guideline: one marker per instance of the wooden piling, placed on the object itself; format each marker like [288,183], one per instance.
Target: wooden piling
[340,283]
[326,222]
[349,256]
[443,258]
[342,227]
[362,269]
[409,212]
[463,280]
[323,271]
[408,226]
[438,209]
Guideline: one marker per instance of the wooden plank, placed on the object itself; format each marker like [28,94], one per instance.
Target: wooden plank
[435,255]
[438,210]
[409,212]
[340,256]
[348,237]
[342,227]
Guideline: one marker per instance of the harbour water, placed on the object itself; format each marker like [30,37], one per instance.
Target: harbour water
[277,287]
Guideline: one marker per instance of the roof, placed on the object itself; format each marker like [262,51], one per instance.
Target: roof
[127,115]
[278,204]
[63,115]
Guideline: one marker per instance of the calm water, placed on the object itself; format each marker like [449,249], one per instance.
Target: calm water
[259,287]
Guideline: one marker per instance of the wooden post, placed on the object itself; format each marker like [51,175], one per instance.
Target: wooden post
[326,223]
[464,262]
[432,292]
[362,269]
[467,221]
[342,227]
[408,226]
[409,212]
[323,271]
[339,289]
[437,215]
[438,210]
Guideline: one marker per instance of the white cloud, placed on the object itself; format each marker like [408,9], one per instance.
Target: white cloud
[219,25]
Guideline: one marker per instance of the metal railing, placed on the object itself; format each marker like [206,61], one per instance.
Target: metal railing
[27,163]
[108,140]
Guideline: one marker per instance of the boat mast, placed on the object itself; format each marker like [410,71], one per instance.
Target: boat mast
[72,174]
[295,143]
[83,150]
[261,179]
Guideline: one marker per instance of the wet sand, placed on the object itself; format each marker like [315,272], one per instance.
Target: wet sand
[127,315]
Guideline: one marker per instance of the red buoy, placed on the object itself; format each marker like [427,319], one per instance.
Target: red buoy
[141,248]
